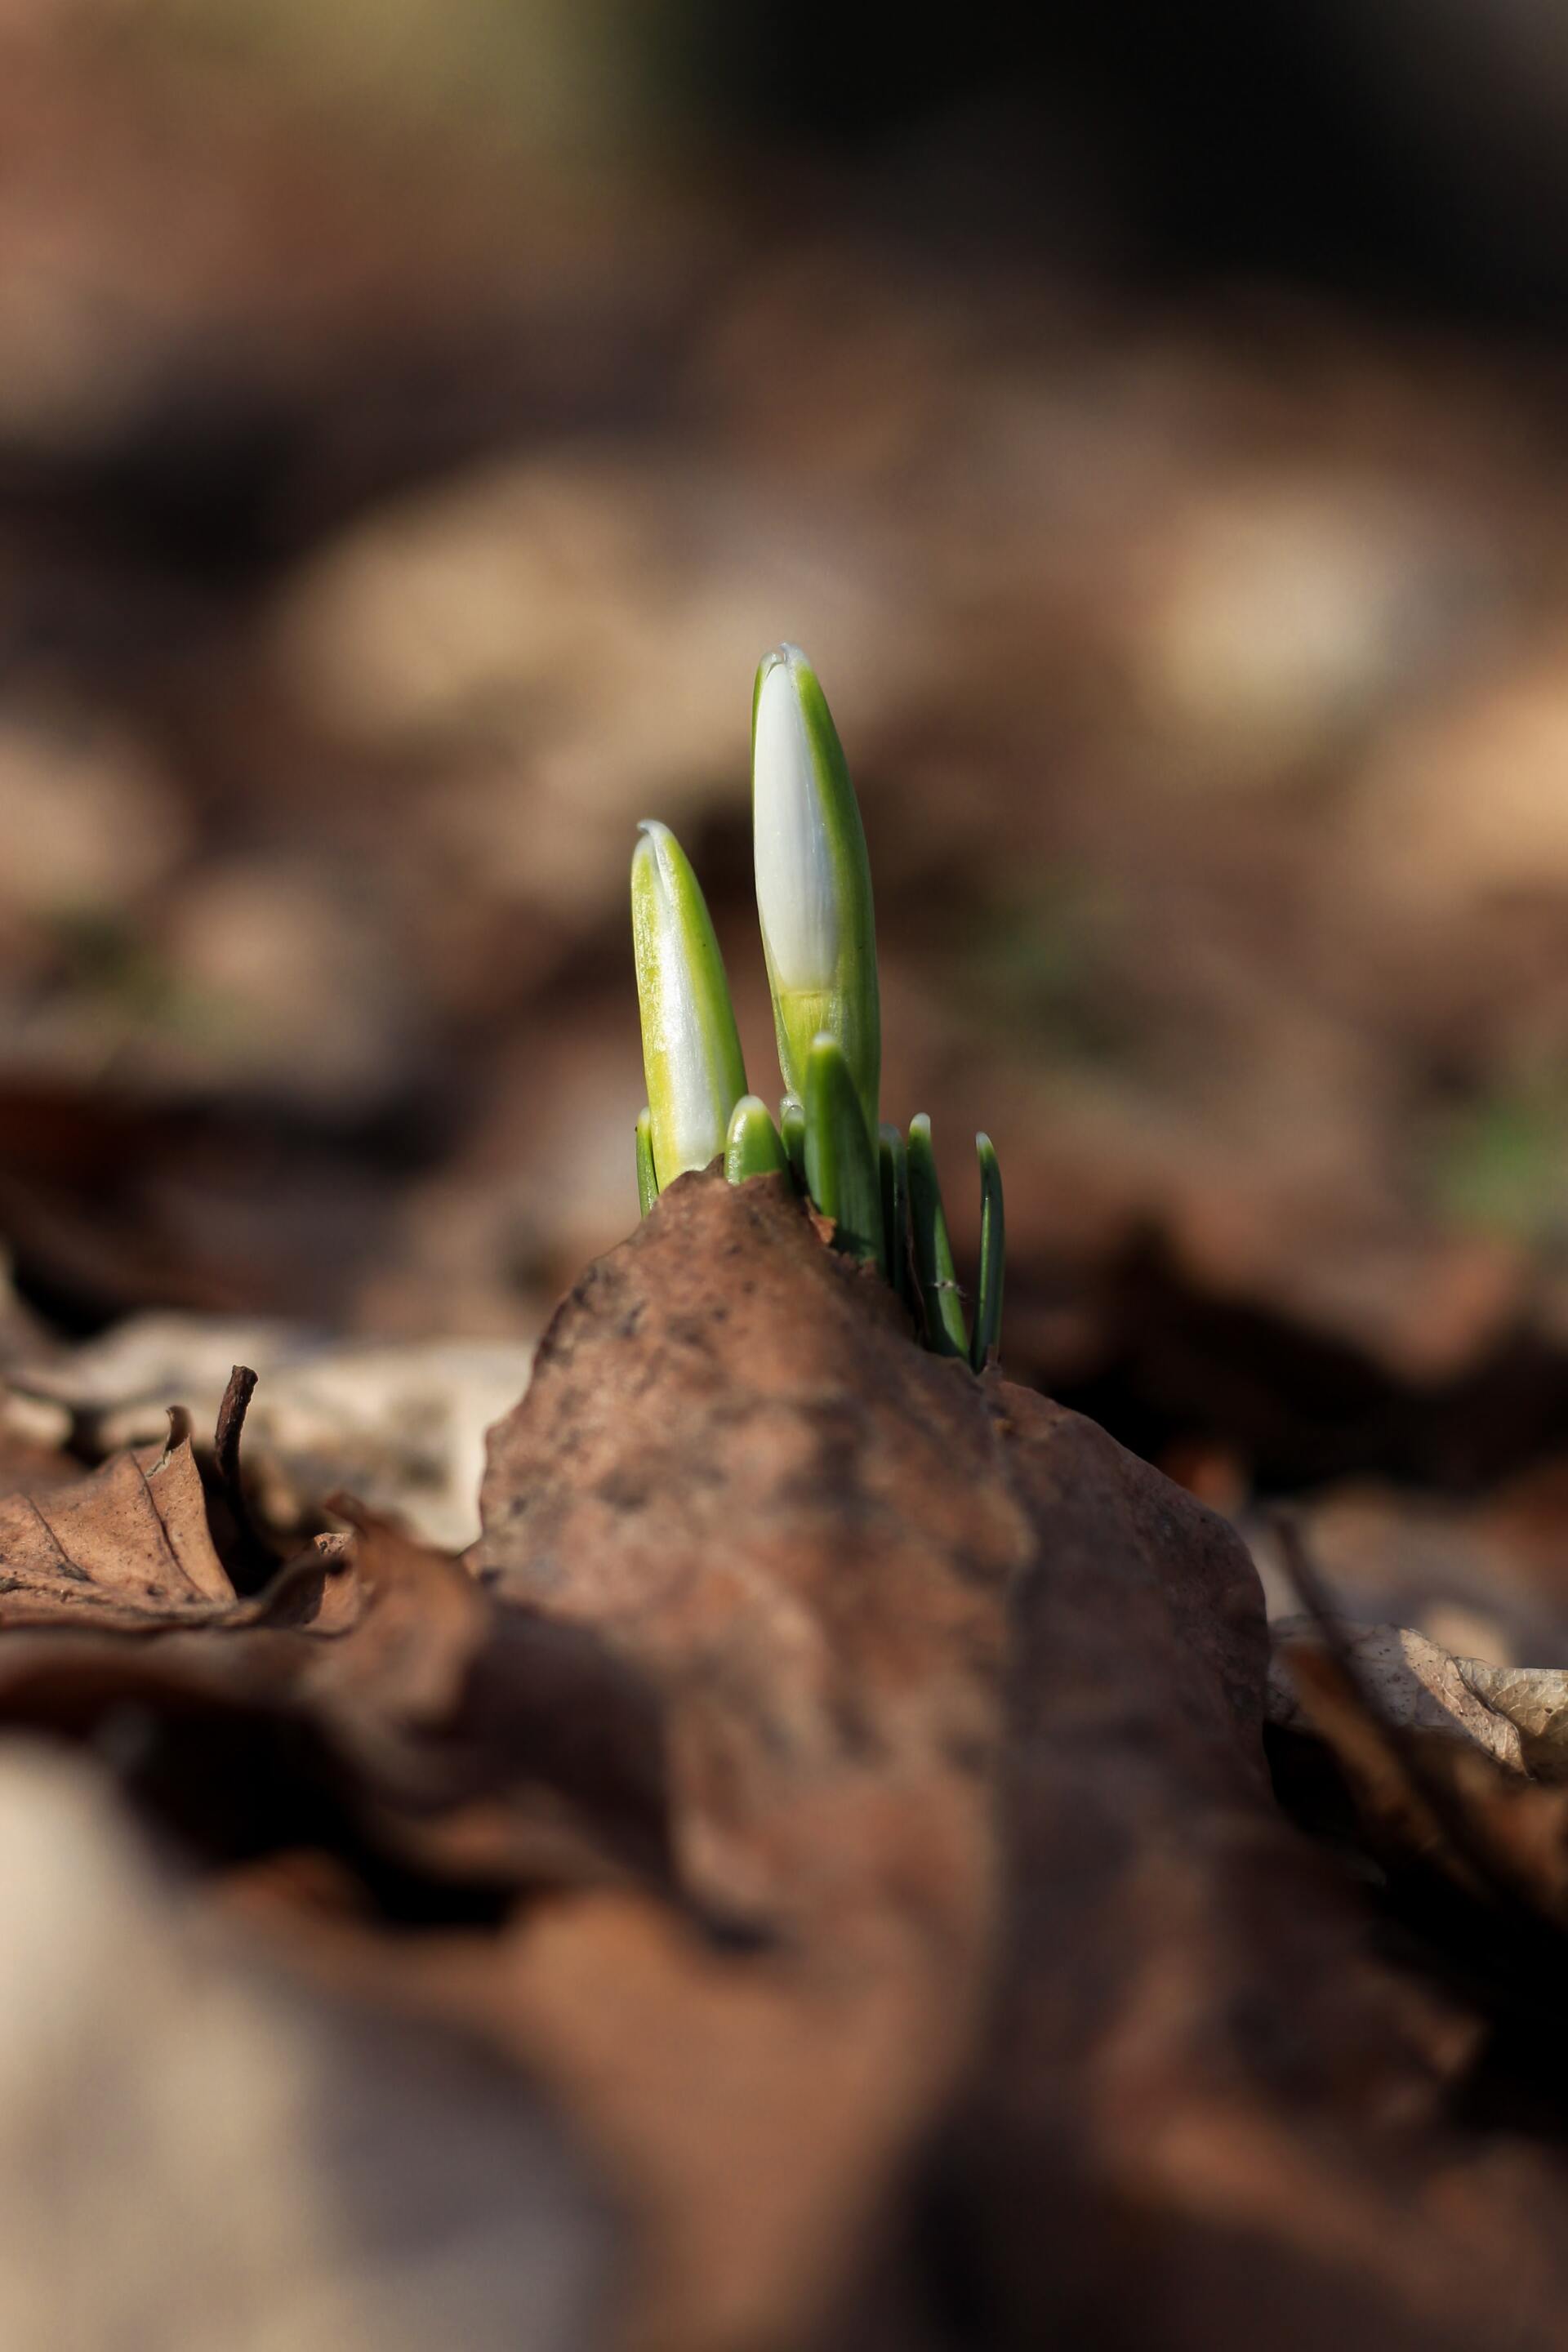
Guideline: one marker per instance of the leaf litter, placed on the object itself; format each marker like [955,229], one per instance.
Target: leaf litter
[129,1545]
[827,1814]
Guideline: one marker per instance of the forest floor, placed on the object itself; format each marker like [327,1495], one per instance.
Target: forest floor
[368,566]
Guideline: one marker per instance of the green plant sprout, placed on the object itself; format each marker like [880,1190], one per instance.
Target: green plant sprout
[841,1170]
[814,880]
[792,1127]
[691,1047]
[819,943]
[752,1147]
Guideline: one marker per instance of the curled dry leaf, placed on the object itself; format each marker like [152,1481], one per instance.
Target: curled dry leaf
[129,1545]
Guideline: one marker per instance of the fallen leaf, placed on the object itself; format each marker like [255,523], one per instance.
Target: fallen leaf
[128,1544]
[1534,1699]
[841,1785]
[1410,1684]
[964,1710]
[1440,1755]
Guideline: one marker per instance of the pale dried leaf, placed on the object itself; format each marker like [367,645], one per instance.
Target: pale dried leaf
[128,1543]
[1408,1682]
[129,1548]
[1534,1699]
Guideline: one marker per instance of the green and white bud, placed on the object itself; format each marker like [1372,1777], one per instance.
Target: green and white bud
[752,1147]
[814,880]
[691,1050]
[842,1174]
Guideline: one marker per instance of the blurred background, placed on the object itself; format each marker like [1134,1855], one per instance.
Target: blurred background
[415,418]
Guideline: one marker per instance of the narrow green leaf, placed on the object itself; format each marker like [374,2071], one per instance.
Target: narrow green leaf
[791,1127]
[752,1147]
[895,1168]
[993,1250]
[946,1332]
[841,1171]
[648,1182]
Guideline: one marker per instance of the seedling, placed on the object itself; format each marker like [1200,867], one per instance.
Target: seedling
[819,943]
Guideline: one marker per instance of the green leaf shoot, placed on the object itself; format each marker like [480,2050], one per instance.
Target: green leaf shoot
[841,1169]
[648,1182]
[946,1332]
[993,1246]
[752,1147]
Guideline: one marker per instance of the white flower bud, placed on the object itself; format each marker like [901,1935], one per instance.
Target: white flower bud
[691,1050]
[814,879]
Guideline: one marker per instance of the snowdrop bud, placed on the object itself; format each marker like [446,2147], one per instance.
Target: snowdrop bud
[814,879]
[752,1147]
[691,1053]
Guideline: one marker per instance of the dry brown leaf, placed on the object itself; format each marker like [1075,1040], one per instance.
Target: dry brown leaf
[127,1545]
[843,1786]
[418,1624]
[963,1713]
[130,1546]
[1439,1776]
